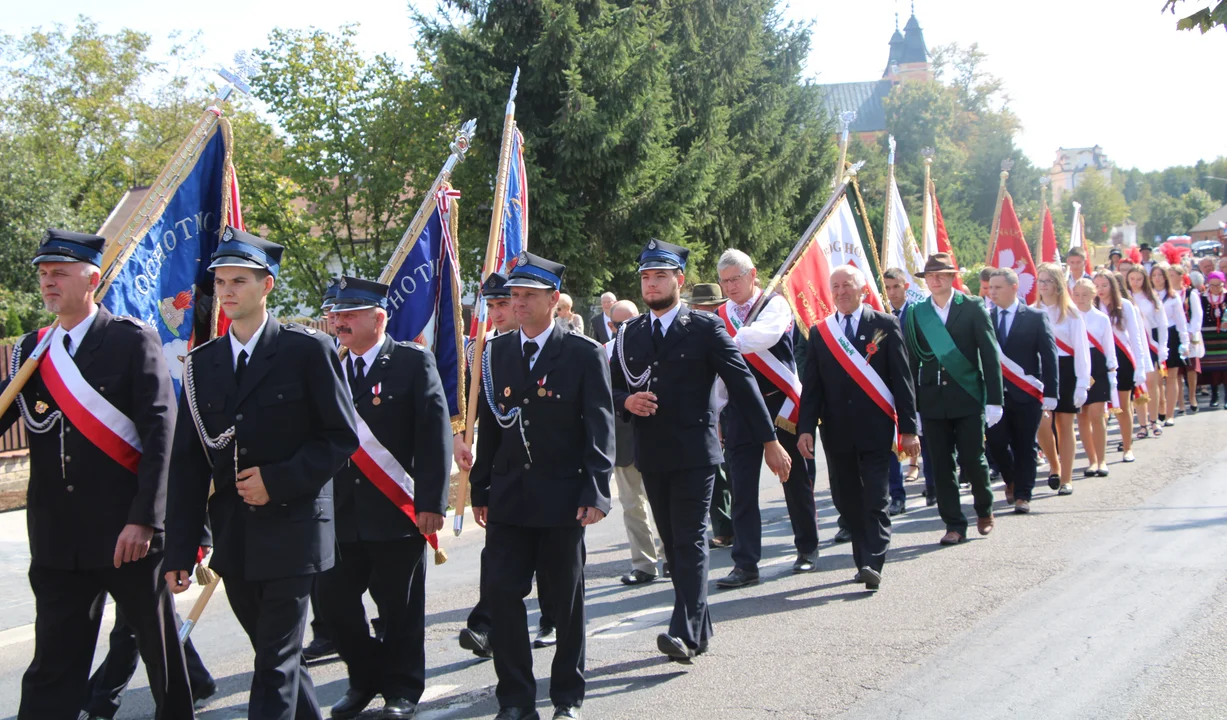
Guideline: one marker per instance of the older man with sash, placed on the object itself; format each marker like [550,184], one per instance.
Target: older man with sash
[957,371]
[864,421]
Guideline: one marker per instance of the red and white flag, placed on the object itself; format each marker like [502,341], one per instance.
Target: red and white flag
[1012,252]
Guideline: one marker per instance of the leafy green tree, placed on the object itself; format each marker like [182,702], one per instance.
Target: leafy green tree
[1204,19]
[1102,205]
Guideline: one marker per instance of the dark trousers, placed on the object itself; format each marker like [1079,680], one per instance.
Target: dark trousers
[897,491]
[862,499]
[926,467]
[68,606]
[395,666]
[319,626]
[745,461]
[273,613]
[481,618]
[515,553]
[722,504]
[966,435]
[680,502]
[1012,443]
[107,684]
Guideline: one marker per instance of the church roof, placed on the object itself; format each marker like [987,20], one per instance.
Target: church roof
[863,97]
[914,49]
[896,52]
[1211,221]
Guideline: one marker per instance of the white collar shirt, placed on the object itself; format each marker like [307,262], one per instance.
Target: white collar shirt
[236,347]
[855,315]
[541,340]
[76,336]
[667,319]
[368,358]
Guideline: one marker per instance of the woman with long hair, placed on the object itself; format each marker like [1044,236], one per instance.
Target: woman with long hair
[1092,421]
[1073,375]
[1194,284]
[1154,320]
[1130,349]
[1214,336]
[1175,337]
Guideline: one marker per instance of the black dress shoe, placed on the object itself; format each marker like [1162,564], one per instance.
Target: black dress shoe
[352,705]
[395,708]
[476,642]
[806,562]
[318,649]
[674,648]
[897,507]
[637,577]
[844,535]
[514,713]
[1054,481]
[930,500]
[204,692]
[566,712]
[545,637]
[665,570]
[738,578]
[872,578]
[858,577]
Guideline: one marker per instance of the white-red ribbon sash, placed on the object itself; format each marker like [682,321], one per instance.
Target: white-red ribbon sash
[1113,399]
[1122,347]
[384,471]
[857,367]
[1013,372]
[1063,346]
[779,374]
[94,416]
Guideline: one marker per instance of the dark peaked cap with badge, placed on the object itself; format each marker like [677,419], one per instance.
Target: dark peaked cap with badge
[495,286]
[660,255]
[534,271]
[242,249]
[330,293]
[358,294]
[69,246]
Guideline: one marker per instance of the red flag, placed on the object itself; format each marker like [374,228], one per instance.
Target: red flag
[1012,251]
[943,242]
[1048,242]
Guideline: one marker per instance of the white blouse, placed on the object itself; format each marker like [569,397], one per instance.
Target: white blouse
[1153,317]
[1099,327]
[1195,312]
[1071,332]
[1173,308]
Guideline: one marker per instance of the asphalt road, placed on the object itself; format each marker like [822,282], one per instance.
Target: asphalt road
[1103,604]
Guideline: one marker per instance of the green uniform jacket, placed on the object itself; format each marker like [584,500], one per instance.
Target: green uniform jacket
[938,395]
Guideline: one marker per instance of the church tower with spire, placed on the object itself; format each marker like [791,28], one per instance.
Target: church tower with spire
[909,56]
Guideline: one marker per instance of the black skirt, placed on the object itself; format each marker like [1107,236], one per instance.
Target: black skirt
[1100,390]
[1173,349]
[1066,382]
[1150,347]
[1124,372]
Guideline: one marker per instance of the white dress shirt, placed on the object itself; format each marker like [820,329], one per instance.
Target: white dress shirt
[236,347]
[368,358]
[764,331]
[665,320]
[1173,308]
[1099,326]
[1008,321]
[856,318]
[540,340]
[1072,332]
[76,336]
[943,312]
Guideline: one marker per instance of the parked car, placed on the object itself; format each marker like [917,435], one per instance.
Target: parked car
[1203,248]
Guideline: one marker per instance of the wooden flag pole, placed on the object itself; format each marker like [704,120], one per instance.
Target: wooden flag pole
[890,181]
[496,226]
[992,240]
[926,200]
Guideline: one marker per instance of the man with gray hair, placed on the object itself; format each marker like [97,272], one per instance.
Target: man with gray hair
[765,341]
[598,325]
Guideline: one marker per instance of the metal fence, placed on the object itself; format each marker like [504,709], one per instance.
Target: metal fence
[15,438]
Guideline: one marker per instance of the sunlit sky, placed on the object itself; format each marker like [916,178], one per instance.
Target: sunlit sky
[1079,72]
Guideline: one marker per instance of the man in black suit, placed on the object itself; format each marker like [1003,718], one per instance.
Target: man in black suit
[895,286]
[858,385]
[100,416]
[1029,368]
[598,325]
[268,418]
[664,365]
[383,516]
[541,476]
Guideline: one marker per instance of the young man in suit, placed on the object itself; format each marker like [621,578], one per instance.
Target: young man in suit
[958,391]
[664,366]
[266,419]
[858,385]
[895,285]
[1029,359]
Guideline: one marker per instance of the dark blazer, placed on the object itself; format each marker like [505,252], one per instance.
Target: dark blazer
[1033,346]
[569,430]
[850,420]
[696,349]
[294,420]
[412,422]
[74,516]
[597,328]
[972,332]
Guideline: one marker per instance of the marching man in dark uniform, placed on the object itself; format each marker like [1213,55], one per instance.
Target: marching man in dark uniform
[101,417]
[266,415]
[858,384]
[541,476]
[664,365]
[383,514]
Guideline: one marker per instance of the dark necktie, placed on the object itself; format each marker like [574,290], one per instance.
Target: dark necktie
[239,367]
[68,344]
[658,335]
[356,374]
[1001,333]
[530,349]
[848,332]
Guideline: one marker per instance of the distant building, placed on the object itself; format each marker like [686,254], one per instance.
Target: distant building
[908,61]
[1072,165]
[1211,226]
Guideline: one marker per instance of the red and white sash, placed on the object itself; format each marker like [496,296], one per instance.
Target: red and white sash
[1123,348]
[779,374]
[857,367]
[384,471]
[1063,346]
[1013,372]
[94,416]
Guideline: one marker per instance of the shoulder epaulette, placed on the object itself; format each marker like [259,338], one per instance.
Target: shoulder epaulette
[130,320]
[411,344]
[300,328]
[205,344]
[585,338]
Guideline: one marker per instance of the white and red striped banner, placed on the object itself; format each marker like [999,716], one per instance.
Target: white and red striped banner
[383,470]
[94,416]
[780,375]
[1013,372]
[857,367]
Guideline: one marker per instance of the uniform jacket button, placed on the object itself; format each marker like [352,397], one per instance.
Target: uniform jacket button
[525,401]
[527,466]
[69,488]
[239,416]
[525,423]
[242,451]
[251,508]
[68,458]
[280,396]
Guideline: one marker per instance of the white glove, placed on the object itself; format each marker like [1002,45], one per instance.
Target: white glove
[1184,352]
[1050,404]
[992,415]
[1079,397]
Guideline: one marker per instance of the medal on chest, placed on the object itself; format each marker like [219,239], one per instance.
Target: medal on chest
[375,391]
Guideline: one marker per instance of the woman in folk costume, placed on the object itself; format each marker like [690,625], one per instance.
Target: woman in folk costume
[1154,320]
[1194,284]
[1073,374]
[1214,336]
[1175,338]
[1130,351]
[1092,421]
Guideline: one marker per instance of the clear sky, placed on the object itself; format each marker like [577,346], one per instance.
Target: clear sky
[1080,72]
